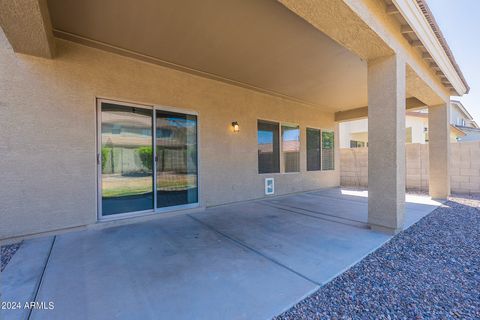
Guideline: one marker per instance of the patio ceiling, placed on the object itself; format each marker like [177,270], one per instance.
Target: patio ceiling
[257,44]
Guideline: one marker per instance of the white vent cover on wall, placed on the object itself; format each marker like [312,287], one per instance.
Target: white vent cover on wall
[269,186]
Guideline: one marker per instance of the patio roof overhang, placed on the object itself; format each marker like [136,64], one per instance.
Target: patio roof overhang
[28,27]
[362,112]
[308,51]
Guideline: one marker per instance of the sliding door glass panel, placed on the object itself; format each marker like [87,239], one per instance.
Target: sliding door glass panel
[176,136]
[291,148]
[126,159]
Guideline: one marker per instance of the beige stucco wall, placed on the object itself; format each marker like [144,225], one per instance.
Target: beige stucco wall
[48,133]
[464,167]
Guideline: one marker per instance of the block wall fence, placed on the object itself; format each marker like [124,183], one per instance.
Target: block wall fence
[464,167]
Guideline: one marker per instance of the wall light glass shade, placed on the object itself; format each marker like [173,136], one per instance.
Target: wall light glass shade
[235,126]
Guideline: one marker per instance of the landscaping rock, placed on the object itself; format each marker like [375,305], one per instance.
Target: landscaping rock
[429,271]
[7,253]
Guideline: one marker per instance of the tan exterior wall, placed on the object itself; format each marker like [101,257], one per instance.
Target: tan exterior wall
[48,130]
[464,167]
[354,167]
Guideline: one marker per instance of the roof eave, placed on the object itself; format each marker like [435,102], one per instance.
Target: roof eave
[419,17]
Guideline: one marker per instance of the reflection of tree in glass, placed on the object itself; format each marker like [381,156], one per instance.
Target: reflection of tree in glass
[107,152]
[328,150]
[327,138]
[146,156]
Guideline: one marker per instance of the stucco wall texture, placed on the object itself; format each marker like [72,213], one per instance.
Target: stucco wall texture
[464,167]
[48,133]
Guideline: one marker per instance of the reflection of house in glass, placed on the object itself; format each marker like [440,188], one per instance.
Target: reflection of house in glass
[128,159]
[268,148]
[176,139]
[176,145]
[126,142]
[291,148]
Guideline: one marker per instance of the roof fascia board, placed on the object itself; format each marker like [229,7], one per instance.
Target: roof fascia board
[412,13]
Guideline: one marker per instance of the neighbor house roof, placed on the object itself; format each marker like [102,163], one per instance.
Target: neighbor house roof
[436,29]
[423,113]
[462,108]
[459,132]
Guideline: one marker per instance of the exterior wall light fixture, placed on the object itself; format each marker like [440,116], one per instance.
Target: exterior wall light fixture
[235,126]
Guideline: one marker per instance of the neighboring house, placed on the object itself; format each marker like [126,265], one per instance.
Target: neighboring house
[129,109]
[460,116]
[419,118]
[354,134]
[461,119]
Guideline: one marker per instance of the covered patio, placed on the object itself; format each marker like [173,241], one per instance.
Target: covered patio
[271,67]
[249,260]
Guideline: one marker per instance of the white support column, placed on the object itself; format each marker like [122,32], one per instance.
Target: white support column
[386,143]
[439,150]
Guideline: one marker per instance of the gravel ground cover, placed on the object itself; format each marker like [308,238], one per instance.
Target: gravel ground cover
[429,271]
[7,253]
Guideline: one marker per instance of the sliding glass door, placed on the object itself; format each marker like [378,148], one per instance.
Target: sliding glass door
[142,169]
[126,159]
[176,139]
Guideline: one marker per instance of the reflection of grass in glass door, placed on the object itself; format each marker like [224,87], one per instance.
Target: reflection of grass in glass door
[171,181]
[114,187]
[118,181]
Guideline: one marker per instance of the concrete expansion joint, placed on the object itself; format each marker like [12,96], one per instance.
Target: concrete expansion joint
[319,215]
[245,246]
[40,281]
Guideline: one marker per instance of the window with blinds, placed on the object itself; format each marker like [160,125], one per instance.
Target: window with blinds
[328,149]
[291,148]
[268,147]
[313,149]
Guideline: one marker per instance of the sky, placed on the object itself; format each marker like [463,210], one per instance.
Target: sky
[459,21]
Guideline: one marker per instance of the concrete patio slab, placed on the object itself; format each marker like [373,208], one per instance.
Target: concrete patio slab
[249,260]
[340,202]
[21,278]
[316,248]
[172,268]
